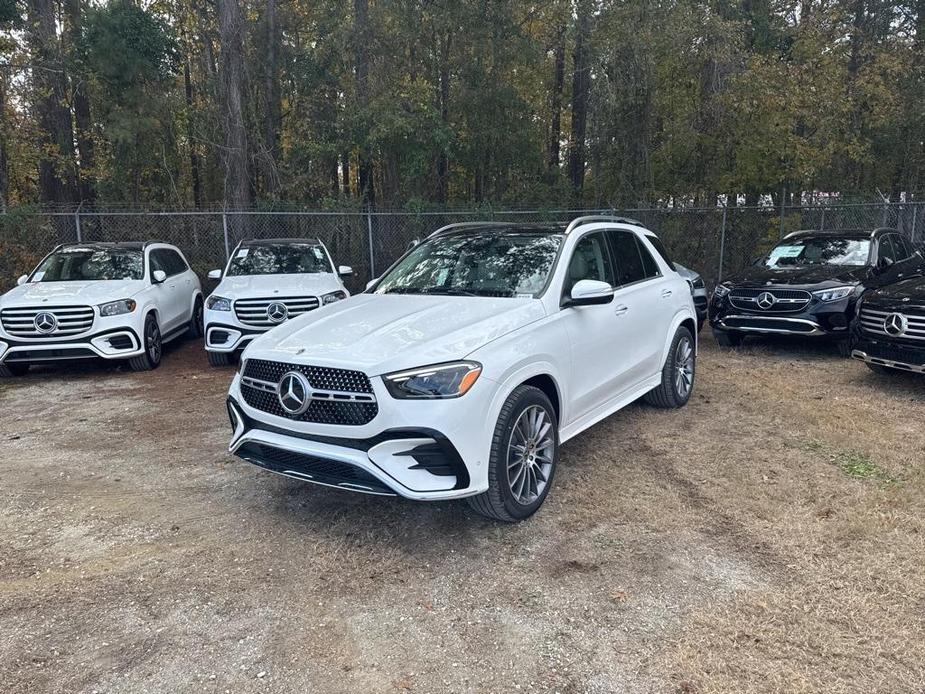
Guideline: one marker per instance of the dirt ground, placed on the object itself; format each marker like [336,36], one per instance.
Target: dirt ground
[770,537]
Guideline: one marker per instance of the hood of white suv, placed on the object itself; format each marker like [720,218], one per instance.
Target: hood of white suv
[265,286]
[379,333]
[83,293]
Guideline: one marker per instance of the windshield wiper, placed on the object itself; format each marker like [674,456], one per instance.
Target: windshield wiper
[449,291]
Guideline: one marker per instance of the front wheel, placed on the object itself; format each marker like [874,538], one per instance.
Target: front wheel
[219,358]
[196,327]
[11,370]
[524,453]
[154,347]
[677,374]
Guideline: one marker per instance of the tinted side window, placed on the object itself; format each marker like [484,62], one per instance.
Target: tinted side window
[156,262]
[590,261]
[901,247]
[175,262]
[662,251]
[648,262]
[626,253]
[885,249]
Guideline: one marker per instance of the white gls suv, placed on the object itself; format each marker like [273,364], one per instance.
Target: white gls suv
[119,301]
[265,283]
[461,370]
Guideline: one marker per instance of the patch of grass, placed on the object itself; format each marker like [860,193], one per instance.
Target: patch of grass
[852,463]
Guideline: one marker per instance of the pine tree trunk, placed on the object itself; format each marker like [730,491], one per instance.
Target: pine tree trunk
[443,159]
[82,118]
[580,89]
[555,101]
[191,141]
[231,86]
[273,115]
[57,182]
[361,44]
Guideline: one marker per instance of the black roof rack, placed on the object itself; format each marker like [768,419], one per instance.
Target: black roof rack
[258,242]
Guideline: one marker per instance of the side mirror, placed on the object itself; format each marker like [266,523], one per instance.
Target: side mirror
[344,271]
[22,280]
[215,274]
[159,276]
[590,293]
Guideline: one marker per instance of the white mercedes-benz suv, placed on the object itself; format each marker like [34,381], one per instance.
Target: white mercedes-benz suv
[265,283]
[461,370]
[118,301]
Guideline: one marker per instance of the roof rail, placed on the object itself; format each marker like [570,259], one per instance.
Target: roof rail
[590,219]
[469,225]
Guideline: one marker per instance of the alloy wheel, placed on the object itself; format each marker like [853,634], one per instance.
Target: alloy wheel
[153,342]
[530,454]
[684,367]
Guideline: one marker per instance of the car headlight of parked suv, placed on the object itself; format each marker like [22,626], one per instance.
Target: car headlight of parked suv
[720,291]
[218,303]
[332,297]
[834,294]
[117,308]
[430,382]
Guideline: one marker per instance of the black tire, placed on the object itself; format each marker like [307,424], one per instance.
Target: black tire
[219,358]
[154,347]
[499,502]
[196,327]
[13,370]
[677,374]
[727,338]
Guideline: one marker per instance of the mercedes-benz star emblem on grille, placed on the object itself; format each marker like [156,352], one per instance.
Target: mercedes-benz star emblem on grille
[896,324]
[45,322]
[277,312]
[295,393]
[766,300]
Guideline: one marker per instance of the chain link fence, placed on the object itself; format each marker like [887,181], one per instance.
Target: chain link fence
[715,242]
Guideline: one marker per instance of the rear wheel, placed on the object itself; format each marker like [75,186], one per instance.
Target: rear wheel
[154,347]
[677,373]
[12,370]
[524,453]
[196,327]
[727,338]
[219,358]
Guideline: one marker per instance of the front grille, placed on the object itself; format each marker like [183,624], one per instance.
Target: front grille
[322,470]
[785,300]
[254,311]
[69,320]
[873,321]
[338,384]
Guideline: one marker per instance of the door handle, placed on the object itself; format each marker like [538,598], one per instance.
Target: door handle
[666,293]
[620,310]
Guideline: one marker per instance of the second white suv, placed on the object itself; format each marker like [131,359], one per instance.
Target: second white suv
[116,301]
[461,370]
[265,283]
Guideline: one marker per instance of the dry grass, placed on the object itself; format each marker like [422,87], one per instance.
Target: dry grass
[768,537]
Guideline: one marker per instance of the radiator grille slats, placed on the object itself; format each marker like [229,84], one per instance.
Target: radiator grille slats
[873,321]
[254,311]
[69,320]
[785,300]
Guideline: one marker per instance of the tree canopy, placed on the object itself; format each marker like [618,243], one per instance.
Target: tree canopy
[414,103]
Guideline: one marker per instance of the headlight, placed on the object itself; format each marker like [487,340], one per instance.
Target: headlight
[833,294]
[438,381]
[332,297]
[720,291]
[218,303]
[117,308]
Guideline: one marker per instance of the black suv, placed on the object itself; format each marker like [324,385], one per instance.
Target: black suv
[807,285]
[890,327]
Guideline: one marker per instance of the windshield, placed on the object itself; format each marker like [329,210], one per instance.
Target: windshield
[81,264]
[503,264]
[819,251]
[280,259]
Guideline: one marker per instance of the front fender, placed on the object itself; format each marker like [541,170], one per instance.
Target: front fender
[683,314]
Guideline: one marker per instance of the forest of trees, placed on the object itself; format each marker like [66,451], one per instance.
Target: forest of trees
[434,103]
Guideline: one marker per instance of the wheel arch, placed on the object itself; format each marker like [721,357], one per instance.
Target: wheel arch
[686,319]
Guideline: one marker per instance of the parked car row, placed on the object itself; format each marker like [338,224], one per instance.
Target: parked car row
[863,290]
[460,370]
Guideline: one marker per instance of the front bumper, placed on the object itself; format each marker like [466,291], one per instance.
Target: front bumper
[420,450]
[830,319]
[892,354]
[229,336]
[113,343]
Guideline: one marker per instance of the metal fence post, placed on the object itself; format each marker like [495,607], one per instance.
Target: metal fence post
[915,212]
[77,226]
[372,253]
[783,204]
[225,233]
[722,246]
[822,221]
